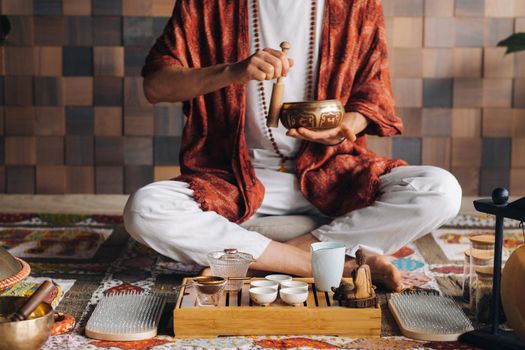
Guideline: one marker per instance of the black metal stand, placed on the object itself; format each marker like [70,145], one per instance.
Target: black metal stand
[492,337]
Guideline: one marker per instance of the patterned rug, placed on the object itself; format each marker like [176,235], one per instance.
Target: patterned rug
[90,256]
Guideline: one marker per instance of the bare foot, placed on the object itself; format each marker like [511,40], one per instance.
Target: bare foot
[383,272]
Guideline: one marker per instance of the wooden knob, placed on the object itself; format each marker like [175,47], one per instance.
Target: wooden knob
[285,46]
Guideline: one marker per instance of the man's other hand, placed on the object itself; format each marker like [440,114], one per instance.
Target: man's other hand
[353,123]
[266,64]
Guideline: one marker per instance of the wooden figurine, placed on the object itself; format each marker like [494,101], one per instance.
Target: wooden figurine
[362,293]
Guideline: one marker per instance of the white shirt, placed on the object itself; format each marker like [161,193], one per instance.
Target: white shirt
[280,20]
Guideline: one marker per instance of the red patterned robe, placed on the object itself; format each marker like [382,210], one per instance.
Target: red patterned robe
[353,68]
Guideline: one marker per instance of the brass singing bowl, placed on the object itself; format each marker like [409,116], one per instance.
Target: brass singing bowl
[313,115]
[29,334]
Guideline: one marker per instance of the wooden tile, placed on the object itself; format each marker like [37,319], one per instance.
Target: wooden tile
[496,29]
[19,121]
[492,178]
[438,63]
[2,119]
[135,56]
[468,179]
[107,31]
[439,32]
[136,7]
[467,62]
[109,179]
[2,60]
[466,122]
[109,150]
[518,155]
[136,177]
[19,60]
[78,91]
[408,92]
[20,179]
[77,61]
[18,90]
[108,121]
[134,93]
[497,64]
[520,25]
[408,149]
[161,8]
[407,32]
[80,179]
[437,121]
[47,7]
[412,121]
[518,123]
[2,179]
[436,151]
[79,150]
[22,32]
[50,121]
[50,179]
[169,120]
[466,152]
[79,31]
[138,121]
[519,65]
[518,99]
[402,8]
[497,92]
[406,63]
[519,8]
[49,91]
[469,32]
[164,172]
[108,91]
[389,28]
[470,8]
[468,92]
[138,151]
[2,89]
[109,61]
[497,122]
[138,31]
[380,145]
[437,93]
[50,30]
[17,7]
[107,8]
[50,150]
[439,8]
[20,150]
[79,121]
[2,150]
[517,182]
[499,8]
[495,153]
[47,60]
[76,7]
[166,150]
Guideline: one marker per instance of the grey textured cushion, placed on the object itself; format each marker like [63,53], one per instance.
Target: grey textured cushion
[283,228]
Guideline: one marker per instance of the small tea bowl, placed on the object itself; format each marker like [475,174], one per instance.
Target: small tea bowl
[293,296]
[278,278]
[263,295]
[295,284]
[264,283]
[313,115]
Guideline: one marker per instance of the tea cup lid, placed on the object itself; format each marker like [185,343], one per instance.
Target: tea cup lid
[230,256]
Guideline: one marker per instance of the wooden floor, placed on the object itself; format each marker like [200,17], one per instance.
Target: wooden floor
[95,204]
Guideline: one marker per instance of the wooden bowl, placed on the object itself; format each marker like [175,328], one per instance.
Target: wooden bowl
[313,115]
[12,270]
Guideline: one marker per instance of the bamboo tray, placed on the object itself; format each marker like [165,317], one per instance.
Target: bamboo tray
[236,315]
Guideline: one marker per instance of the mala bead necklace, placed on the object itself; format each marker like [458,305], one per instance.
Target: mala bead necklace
[309,72]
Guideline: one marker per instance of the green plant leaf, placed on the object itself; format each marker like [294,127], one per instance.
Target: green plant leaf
[514,43]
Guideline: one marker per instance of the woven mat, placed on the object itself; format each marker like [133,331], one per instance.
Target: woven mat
[120,264]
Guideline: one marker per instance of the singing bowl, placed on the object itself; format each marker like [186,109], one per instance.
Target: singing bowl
[29,334]
[313,115]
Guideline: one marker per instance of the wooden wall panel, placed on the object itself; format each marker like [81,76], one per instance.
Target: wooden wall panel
[50,179]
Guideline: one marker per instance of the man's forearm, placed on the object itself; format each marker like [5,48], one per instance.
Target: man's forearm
[175,84]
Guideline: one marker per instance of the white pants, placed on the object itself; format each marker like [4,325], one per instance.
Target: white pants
[414,200]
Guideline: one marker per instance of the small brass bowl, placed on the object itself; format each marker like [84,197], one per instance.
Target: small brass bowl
[29,334]
[313,115]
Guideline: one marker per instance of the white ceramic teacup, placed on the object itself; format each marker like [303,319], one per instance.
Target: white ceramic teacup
[328,261]
[293,296]
[278,278]
[263,295]
[264,283]
[294,284]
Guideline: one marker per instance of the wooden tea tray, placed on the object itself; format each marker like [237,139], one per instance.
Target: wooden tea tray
[236,315]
